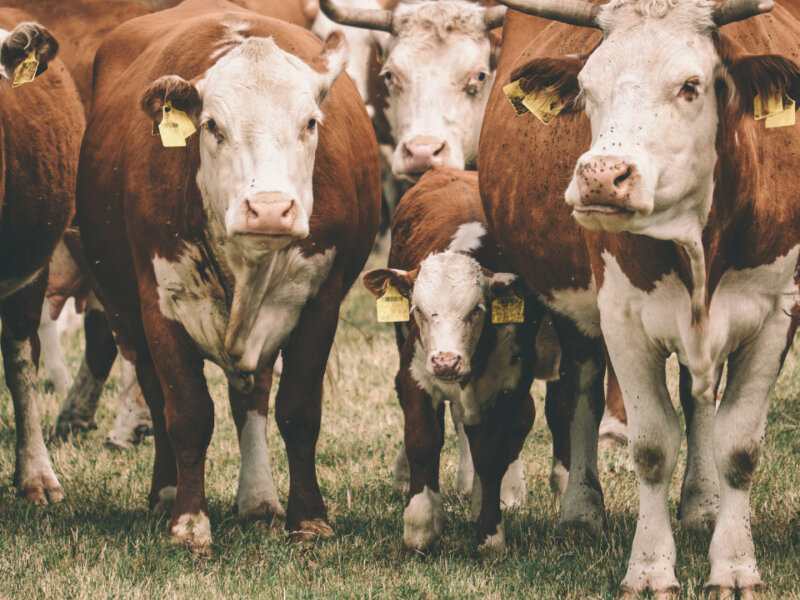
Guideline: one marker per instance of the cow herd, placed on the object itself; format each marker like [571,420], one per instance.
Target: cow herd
[207,182]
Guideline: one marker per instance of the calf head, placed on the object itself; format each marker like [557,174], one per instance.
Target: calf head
[17,44]
[656,90]
[258,110]
[438,65]
[450,294]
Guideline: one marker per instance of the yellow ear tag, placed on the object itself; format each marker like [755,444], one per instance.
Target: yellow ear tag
[784,118]
[175,126]
[508,309]
[26,70]
[545,104]
[392,306]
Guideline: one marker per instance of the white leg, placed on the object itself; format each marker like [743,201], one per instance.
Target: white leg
[133,417]
[257,495]
[559,477]
[423,520]
[55,364]
[401,473]
[466,471]
[513,488]
[80,405]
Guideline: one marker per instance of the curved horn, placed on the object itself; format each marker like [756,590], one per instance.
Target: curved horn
[573,12]
[367,18]
[739,10]
[493,17]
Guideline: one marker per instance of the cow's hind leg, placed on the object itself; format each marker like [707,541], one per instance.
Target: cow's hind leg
[257,495]
[19,341]
[133,420]
[55,363]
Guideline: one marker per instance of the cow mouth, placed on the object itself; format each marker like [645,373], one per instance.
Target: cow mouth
[450,377]
[602,210]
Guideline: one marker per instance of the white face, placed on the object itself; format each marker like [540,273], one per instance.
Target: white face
[259,132]
[438,84]
[449,303]
[649,91]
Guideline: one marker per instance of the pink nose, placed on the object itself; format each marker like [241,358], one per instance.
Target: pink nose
[446,365]
[269,213]
[606,180]
[423,152]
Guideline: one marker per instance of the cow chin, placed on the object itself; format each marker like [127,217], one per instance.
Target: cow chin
[259,243]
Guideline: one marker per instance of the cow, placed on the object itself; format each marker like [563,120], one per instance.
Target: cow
[40,156]
[693,233]
[444,263]
[233,248]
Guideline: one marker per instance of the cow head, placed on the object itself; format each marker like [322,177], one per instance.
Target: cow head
[655,90]
[258,111]
[450,295]
[17,44]
[438,66]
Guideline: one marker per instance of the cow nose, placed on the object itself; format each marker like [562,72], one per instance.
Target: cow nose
[423,152]
[269,213]
[446,365]
[606,180]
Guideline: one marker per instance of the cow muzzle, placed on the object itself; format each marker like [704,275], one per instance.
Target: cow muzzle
[270,219]
[447,366]
[423,152]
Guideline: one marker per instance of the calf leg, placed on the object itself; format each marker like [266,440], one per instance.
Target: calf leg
[133,419]
[614,426]
[55,364]
[33,475]
[257,495]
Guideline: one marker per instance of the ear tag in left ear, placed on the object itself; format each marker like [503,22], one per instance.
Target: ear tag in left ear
[175,126]
[784,118]
[545,104]
[508,309]
[392,307]
[26,70]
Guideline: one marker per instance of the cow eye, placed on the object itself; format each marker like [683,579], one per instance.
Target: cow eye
[211,125]
[312,123]
[389,78]
[475,83]
[690,89]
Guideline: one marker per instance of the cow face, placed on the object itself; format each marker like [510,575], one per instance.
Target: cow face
[258,110]
[450,294]
[15,45]
[438,67]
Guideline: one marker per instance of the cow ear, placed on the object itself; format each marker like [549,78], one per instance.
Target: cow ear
[18,44]
[765,75]
[505,284]
[558,75]
[331,62]
[377,280]
[182,94]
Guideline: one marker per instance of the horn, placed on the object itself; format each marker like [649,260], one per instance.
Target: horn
[493,17]
[366,18]
[739,10]
[573,12]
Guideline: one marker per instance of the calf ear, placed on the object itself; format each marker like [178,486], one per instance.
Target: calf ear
[170,88]
[766,75]
[24,38]
[331,62]
[505,284]
[377,280]
[552,74]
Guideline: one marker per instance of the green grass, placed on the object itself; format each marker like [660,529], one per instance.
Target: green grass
[103,543]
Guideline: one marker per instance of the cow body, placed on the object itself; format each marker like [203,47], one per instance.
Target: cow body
[190,283]
[40,155]
[439,246]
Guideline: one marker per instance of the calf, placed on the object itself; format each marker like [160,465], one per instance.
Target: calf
[41,123]
[233,248]
[442,261]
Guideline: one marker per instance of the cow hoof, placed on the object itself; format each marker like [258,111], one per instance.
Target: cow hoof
[166,498]
[41,489]
[423,520]
[194,532]
[310,531]
[66,426]
[261,511]
[494,542]
[628,593]
[718,592]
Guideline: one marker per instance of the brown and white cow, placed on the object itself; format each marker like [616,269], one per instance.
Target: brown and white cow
[444,262]
[698,234]
[223,250]
[36,205]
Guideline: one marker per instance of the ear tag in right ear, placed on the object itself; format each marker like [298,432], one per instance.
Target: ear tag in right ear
[784,118]
[175,126]
[515,95]
[26,70]
[392,307]
[508,309]
[762,110]
[545,104]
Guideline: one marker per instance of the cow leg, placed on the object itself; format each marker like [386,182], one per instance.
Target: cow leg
[700,490]
[133,419]
[257,496]
[738,437]
[55,364]
[466,471]
[496,444]
[80,406]
[557,413]
[400,472]
[614,426]
[298,411]
[19,342]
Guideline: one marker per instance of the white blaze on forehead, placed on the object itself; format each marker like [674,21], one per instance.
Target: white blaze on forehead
[449,284]
[467,238]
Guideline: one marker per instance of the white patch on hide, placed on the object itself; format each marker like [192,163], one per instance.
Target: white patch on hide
[423,520]
[467,238]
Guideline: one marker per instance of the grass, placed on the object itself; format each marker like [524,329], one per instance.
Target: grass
[103,543]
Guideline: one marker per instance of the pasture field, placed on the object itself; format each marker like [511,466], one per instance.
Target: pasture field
[103,543]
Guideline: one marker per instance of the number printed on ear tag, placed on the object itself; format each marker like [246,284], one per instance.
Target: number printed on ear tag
[508,309]
[26,70]
[392,307]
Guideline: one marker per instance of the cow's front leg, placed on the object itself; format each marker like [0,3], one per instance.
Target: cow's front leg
[257,495]
[738,438]
[33,476]
[466,471]
[700,489]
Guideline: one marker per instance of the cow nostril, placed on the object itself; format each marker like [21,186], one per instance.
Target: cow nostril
[438,150]
[620,179]
[250,211]
[288,211]
[407,152]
